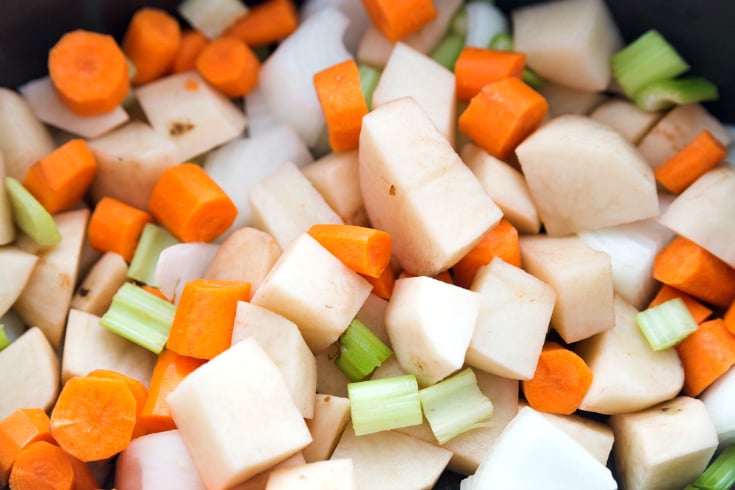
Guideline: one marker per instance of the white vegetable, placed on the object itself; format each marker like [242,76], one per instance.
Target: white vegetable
[181,263]
[260,116]
[7,225]
[212,17]
[484,21]
[717,398]
[329,378]
[18,265]
[331,414]
[566,100]
[624,116]
[354,10]
[94,294]
[596,437]
[259,481]
[335,474]
[372,314]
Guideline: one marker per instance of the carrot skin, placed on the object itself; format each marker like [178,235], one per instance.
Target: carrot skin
[382,285]
[364,250]
[702,154]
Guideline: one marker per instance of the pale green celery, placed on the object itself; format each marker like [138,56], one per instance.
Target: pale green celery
[152,241]
[360,351]
[384,404]
[448,51]
[30,215]
[458,24]
[720,474]
[455,405]
[667,324]
[502,41]
[4,340]
[369,78]
[139,316]
[531,78]
[663,94]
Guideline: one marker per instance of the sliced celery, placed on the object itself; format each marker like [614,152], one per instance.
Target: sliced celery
[663,94]
[360,351]
[501,41]
[448,51]
[30,215]
[458,24]
[667,324]
[384,404]
[720,474]
[4,340]
[369,78]
[152,241]
[139,316]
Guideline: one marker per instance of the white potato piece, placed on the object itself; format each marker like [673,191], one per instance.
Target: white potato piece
[354,10]
[333,474]
[625,117]
[596,437]
[717,399]
[18,265]
[7,225]
[584,175]
[331,414]
[107,275]
[330,380]
[181,263]
[259,481]
[566,100]
[212,17]
[372,314]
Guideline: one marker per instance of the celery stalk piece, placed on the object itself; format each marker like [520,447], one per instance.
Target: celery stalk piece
[139,316]
[360,351]
[502,41]
[667,324]
[720,474]
[455,405]
[448,51]
[458,23]
[663,94]
[384,404]
[152,241]
[30,215]
[4,340]
[369,78]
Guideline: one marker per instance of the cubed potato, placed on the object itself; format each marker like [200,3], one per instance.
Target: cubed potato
[596,437]
[331,414]
[566,100]
[330,380]
[626,118]
[372,314]
[18,265]
[717,399]
[333,474]
[107,275]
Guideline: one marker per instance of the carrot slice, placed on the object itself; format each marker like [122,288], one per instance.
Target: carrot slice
[476,67]
[729,318]
[266,23]
[89,72]
[690,163]
[84,478]
[229,65]
[138,389]
[383,284]
[501,241]
[116,227]
[706,354]
[699,311]
[17,430]
[364,250]
[151,42]
[399,18]
[42,465]
[192,43]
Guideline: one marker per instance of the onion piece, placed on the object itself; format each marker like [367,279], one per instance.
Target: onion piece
[484,21]
[353,9]
[180,263]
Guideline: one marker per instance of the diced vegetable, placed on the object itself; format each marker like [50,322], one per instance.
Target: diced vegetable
[476,67]
[720,474]
[706,354]
[396,22]
[360,351]
[384,404]
[191,44]
[116,227]
[701,155]
[211,17]
[667,324]
[331,414]
[265,23]
[151,42]
[30,215]
[153,240]
[42,465]
[16,264]
[664,94]
[229,65]
[501,241]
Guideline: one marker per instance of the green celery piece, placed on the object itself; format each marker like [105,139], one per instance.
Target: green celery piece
[152,241]
[4,340]
[667,324]
[458,23]
[720,474]
[369,78]
[384,404]
[360,351]
[663,94]
[30,215]
[502,41]
[448,51]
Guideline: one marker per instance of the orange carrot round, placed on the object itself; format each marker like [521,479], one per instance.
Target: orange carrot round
[501,241]
[138,389]
[383,284]
[116,227]
[266,23]
[192,43]
[476,67]
[151,43]
[364,250]
[18,430]
[229,65]
[89,72]
[40,466]
[706,354]
[399,18]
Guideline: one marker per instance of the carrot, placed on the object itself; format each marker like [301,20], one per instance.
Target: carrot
[445,276]
[155,291]
[690,268]
[93,417]
[40,466]
[59,180]
[399,18]
[84,478]
[205,316]
[501,241]
[476,67]
[151,42]
[170,369]
[383,284]
[560,382]
[364,250]
[502,114]
[17,430]
[699,311]
[192,43]
[266,23]
[89,72]
[138,389]
[116,227]
[190,205]
[229,65]
[690,163]
[706,354]
[729,318]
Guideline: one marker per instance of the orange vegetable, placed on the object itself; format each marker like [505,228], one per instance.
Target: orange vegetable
[699,311]
[138,389]
[706,354]
[690,163]
[729,318]
[399,18]
[192,43]
[17,430]
[445,276]
[502,114]
[476,67]
[690,268]
[42,465]
[93,417]
[116,227]
[59,180]
[151,43]
[155,291]
[229,65]
[560,382]
[501,241]
[190,205]
[205,317]
[364,250]
[84,479]
[89,72]
[265,23]
[343,103]
[383,284]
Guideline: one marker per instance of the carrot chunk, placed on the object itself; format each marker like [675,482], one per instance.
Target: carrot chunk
[501,241]
[476,67]
[690,163]
[399,18]
[383,284]
[42,465]
[151,42]
[266,23]
[17,430]
[706,354]
[229,65]
[138,389]
[192,43]
[729,318]
[116,227]
[699,311]
[364,250]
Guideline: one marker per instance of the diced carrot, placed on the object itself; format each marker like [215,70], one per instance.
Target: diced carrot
[205,317]
[42,465]
[151,42]
[84,478]
[382,285]
[89,72]
[265,23]
[17,430]
[690,268]
[59,180]
[476,67]
[116,227]
[192,43]
[138,389]
[690,163]
[501,241]
[445,276]
[399,18]
[699,311]
[729,318]
[560,382]
[190,205]
[155,291]
[706,354]
[502,114]
[229,65]
[362,249]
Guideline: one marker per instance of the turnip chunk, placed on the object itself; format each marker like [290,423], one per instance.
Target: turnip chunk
[331,414]
[354,10]
[94,294]
[565,100]
[281,340]
[181,263]
[158,460]
[17,266]
[335,474]
[23,138]
[184,108]
[580,276]
[410,73]
[717,398]
[330,380]
[666,446]
[312,288]
[569,42]
[596,437]
[430,324]
[485,20]
[285,204]
[515,309]
[584,175]
[372,314]
[417,188]
[533,453]
[56,270]
[30,373]
[236,416]
[626,374]
[260,116]
[259,481]
[7,225]
[625,117]
[89,346]
[12,324]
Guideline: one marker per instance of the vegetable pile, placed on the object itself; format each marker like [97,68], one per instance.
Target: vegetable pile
[366,244]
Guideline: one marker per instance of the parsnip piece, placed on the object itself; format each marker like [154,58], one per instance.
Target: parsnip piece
[626,118]
[331,414]
[717,398]
[334,474]
[312,288]
[7,225]
[626,374]
[236,416]
[417,188]
[566,100]
[17,266]
[596,437]
[94,294]
[30,373]
[666,446]
[569,42]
